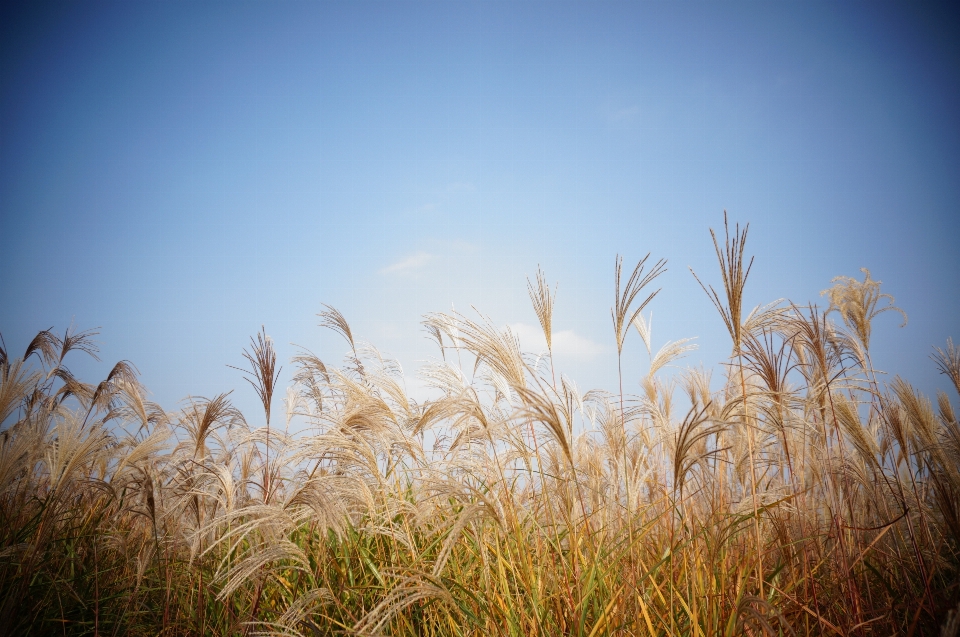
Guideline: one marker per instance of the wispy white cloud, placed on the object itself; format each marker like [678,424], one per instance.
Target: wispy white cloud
[409,264]
[565,342]
[569,343]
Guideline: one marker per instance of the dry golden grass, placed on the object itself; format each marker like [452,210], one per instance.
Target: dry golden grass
[802,498]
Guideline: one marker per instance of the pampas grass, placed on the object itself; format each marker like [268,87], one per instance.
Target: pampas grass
[802,498]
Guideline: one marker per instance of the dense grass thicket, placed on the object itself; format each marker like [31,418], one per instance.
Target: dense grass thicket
[806,496]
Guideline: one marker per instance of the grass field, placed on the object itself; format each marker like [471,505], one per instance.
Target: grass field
[804,497]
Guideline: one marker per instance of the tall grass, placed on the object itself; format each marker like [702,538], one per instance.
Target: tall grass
[804,497]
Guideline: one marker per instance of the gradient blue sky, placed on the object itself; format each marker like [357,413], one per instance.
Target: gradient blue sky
[177,174]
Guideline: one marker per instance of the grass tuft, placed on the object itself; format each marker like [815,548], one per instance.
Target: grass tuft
[802,498]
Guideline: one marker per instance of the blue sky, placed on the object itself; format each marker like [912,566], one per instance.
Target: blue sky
[178,174]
